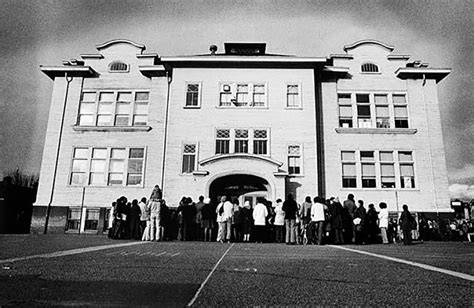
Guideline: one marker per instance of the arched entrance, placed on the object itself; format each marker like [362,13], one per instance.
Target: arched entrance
[245,187]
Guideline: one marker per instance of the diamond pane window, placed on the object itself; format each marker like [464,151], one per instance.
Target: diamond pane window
[222,141]
[260,141]
[189,158]
[192,94]
[294,160]
[292,95]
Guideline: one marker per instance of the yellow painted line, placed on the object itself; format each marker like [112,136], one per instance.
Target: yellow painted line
[208,276]
[69,252]
[420,265]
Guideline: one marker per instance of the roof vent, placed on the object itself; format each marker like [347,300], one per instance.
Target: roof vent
[213,49]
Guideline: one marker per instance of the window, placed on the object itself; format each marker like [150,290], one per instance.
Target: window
[97,170]
[222,141]
[73,219]
[140,111]
[92,220]
[241,141]
[345,110]
[363,111]
[87,109]
[116,167]
[192,95]
[369,68]
[387,170]
[135,166]
[242,95]
[113,108]
[79,166]
[400,110]
[294,160]
[293,98]
[349,174]
[381,111]
[260,139]
[368,169]
[118,66]
[189,158]
[407,171]
[107,166]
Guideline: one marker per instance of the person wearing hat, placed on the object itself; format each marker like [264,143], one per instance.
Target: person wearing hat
[247,220]
[206,219]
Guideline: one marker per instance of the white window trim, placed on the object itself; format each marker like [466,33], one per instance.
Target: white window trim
[300,96]
[302,173]
[233,85]
[114,107]
[107,166]
[250,139]
[196,158]
[186,94]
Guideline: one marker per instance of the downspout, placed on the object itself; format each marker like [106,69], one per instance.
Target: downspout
[55,170]
[165,135]
[435,195]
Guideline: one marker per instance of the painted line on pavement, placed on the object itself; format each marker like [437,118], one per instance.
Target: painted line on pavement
[208,276]
[421,265]
[69,252]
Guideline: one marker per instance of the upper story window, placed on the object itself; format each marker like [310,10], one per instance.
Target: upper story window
[369,68]
[118,66]
[107,166]
[293,96]
[193,97]
[113,108]
[242,141]
[373,110]
[294,159]
[243,95]
[189,158]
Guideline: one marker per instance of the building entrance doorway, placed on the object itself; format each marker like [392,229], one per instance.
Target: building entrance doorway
[244,187]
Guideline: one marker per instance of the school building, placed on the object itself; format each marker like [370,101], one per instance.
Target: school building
[241,122]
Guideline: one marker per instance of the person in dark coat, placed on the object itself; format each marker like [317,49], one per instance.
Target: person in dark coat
[370,227]
[134,221]
[246,216]
[336,221]
[360,213]
[206,219]
[290,208]
[349,212]
[407,223]
[120,218]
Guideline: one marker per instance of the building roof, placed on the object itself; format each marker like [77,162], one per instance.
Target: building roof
[368,41]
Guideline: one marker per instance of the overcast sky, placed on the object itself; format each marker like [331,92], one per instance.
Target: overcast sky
[47,32]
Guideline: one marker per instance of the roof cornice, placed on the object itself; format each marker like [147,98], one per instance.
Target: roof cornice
[119,41]
[70,71]
[422,72]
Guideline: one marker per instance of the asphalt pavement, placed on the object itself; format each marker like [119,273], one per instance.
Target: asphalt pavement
[175,274]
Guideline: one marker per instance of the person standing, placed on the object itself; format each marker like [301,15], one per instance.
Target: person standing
[336,221]
[279,222]
[236,221]
[383,221]
[370,226]
[407,223]
[247,221]
[134,225]
[260,213]
[224,219]
[359,222]
[112,222]
[199,228]
[350,208]
[206,219]
[317,220]
[144,219]
[290,208]
[154,208]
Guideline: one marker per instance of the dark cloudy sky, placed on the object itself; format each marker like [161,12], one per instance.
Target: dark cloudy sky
[47,32]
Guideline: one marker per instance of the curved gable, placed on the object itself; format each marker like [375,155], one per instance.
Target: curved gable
[390,48]
[120,41]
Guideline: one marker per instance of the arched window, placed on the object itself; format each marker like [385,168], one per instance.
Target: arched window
[369,68]
[118,66]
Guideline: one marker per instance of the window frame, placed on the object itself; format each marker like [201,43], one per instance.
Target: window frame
[300,156]
[233,93]
[109,67]
[195,154]
[299,98]
[370,65]
[199,94]
[108,159]
[250,140]
[134,101]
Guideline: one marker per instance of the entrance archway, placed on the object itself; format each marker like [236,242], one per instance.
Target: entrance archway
[245,187]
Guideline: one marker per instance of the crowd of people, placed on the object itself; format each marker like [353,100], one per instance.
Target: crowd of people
[315,221]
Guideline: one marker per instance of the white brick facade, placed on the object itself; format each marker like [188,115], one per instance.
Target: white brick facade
[314,125]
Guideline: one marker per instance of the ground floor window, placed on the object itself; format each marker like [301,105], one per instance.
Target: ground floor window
[73,219]
[91,222]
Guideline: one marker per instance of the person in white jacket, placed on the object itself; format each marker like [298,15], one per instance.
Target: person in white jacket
[383,221]
[279,222]
[317,220]
[224,218]
[260,214]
